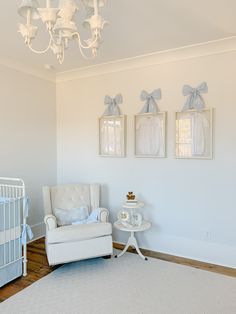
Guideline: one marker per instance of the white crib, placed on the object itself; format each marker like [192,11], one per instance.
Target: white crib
[13,229]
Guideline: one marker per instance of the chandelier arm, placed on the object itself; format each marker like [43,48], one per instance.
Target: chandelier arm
[84,55]
[41,51]
[80,42]
[81,47]
[81,50]
[52,38]
[61,60]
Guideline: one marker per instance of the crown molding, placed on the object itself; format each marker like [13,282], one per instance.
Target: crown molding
[30,70]
[166,56]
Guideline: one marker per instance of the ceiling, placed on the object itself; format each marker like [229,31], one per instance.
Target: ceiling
[136,28]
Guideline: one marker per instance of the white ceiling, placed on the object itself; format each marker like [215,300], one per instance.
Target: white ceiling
[136,28]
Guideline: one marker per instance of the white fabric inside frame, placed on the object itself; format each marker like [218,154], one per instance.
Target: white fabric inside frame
[150,134]
[194,134]
[112,136]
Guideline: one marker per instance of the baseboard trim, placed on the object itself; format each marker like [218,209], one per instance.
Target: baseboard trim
[36,239]
[38,231]
[219,269]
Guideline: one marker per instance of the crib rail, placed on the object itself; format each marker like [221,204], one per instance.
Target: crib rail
[12,187]
[12,206]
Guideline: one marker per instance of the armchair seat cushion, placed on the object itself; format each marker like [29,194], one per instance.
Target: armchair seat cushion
[74,233]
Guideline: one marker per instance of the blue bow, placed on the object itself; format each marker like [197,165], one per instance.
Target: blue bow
[25,207]
[112,105]
[150,101]
[195,99]
[26,231]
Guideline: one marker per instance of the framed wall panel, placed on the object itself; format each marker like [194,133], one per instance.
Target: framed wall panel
[193,134]
[150,135]
[112,136]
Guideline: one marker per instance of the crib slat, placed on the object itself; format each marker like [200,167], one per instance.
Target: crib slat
[19,223]
[4,225]
[9,226]
[14,218]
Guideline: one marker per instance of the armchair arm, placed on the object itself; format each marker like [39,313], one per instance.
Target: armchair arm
[103,215]
[50,221]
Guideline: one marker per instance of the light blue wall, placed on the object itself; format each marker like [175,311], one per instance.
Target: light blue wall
[28,135]
[191,203]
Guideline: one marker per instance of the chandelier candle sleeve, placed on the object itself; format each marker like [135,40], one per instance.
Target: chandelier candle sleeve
[28,21]
[96,7]
[48,4]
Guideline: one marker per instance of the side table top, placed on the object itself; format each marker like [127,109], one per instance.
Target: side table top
[144,226]
[133,205]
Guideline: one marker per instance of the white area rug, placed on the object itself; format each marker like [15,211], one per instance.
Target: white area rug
[125,286]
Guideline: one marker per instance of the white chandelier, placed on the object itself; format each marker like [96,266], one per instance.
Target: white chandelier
[61,26]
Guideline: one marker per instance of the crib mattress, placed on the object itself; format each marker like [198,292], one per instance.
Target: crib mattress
[10,235]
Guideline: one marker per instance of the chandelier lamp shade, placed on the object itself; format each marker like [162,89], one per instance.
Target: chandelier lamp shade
[61,27]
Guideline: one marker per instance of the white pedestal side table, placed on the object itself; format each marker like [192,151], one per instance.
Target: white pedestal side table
[132,240]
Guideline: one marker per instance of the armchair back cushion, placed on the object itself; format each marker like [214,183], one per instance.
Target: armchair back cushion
[71,196]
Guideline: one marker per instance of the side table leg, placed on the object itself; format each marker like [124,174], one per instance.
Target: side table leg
[132,242]
[129,243]
[140,254]
[135,244]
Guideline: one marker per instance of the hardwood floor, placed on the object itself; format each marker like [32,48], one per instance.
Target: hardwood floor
[38,267]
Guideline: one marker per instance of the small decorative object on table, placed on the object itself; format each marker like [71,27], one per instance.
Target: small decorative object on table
[124,217]
[137,219]
[131,197]
[130,216]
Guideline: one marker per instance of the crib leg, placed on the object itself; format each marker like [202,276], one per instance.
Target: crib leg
[24,260]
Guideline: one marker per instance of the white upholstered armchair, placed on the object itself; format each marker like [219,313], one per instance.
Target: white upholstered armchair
[75,242]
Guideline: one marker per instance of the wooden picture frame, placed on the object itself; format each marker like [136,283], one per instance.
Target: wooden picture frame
[112,136]
[194,134]
[150,135]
